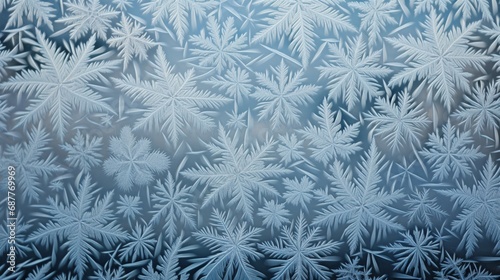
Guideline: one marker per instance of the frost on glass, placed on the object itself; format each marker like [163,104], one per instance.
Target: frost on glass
[250,139]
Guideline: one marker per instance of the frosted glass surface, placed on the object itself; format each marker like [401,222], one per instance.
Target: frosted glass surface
[249,139]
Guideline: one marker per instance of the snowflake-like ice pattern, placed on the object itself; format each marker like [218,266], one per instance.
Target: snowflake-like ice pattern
[251,139]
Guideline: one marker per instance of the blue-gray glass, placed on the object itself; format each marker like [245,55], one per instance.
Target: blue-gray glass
[249,139]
